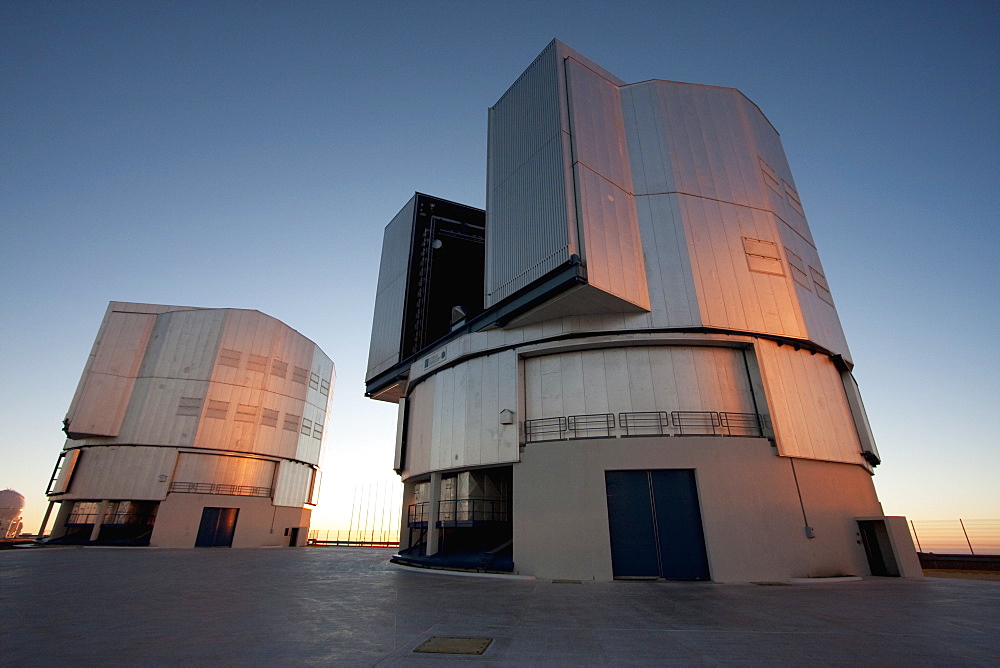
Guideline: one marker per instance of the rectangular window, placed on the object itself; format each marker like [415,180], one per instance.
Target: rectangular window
[307,426]
[318,430]
[314,381]
[324,388]
[300,375]
[292,422]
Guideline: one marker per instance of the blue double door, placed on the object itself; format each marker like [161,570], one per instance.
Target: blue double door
[655,525]
[217,527]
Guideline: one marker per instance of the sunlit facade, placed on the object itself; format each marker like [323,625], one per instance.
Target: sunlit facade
[193,427]
[630,365]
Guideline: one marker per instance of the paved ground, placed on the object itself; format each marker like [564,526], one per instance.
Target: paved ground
[348,606]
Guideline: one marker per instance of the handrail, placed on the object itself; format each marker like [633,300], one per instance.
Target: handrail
[219,488]
[646,423]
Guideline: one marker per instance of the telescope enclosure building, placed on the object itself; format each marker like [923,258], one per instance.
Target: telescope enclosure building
[630,364]
[193,427]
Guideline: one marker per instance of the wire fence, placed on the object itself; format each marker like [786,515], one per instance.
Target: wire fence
[354,537]
[961,536]
[980,537]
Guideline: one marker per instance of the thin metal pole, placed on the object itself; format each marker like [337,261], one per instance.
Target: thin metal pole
[350,525]
[915,536]
[368,513]
[971,551]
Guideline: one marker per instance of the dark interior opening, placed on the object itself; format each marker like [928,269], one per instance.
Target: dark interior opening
[447,271]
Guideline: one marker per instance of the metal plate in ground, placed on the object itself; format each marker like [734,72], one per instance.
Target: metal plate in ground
[446,645]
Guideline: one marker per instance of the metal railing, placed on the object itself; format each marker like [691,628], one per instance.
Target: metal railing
[545,429]
[645,423]
[215,488]
[459,512]
[595,425]
[976,537]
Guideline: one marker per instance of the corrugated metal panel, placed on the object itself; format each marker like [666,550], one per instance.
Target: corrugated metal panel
[292,488]
[528,192]
[527,224]
[387,320]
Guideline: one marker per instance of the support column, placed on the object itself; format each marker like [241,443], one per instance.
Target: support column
[45,520]
[98,520]
[433,513]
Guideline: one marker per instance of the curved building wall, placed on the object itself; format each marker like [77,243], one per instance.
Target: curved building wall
[176,401]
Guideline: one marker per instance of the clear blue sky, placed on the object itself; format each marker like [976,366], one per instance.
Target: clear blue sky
[249,154]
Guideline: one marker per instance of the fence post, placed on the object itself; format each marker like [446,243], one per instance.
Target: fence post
[971,551]
[915,536]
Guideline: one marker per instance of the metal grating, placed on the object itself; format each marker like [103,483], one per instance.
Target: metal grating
[448,645]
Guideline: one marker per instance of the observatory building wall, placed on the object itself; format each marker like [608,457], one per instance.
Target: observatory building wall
[183,406]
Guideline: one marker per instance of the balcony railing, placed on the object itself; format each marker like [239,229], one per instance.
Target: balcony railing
[460,512]
[645,423]
[215,488]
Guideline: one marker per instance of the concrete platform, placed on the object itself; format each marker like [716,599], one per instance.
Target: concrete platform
[349,606]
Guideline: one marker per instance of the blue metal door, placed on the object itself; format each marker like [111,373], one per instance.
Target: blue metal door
[218,525]
[655,525]
[631,523]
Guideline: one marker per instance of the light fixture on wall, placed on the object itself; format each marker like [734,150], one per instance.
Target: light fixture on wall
[506,416]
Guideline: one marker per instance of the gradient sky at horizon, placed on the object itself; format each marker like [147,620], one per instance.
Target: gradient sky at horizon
[248,155]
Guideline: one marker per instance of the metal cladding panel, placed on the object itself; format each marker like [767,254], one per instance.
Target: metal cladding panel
[732,292]
[106,386]
[529,188]
[294,482]
[454,416]
[263,367]
[390,295]
[527,223]
[654,378]
[223,470]
[672,293]
[122,472]
[611,243]
[184,344]
[597,125]
[163,411]
[809,408]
